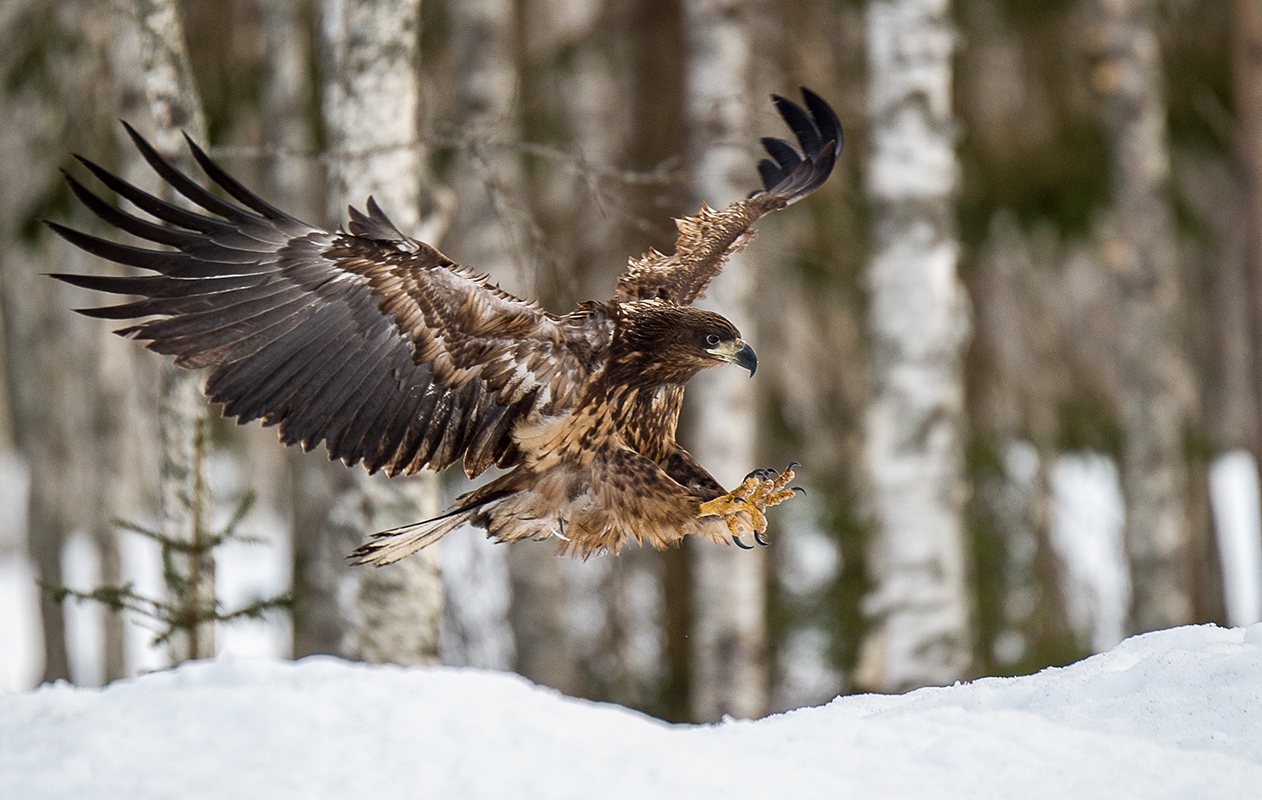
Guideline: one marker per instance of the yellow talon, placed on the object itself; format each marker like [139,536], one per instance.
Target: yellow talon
[742,508]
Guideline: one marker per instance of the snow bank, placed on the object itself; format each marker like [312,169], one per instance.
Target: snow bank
[1173,714]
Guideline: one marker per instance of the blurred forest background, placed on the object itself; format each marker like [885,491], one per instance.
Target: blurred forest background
[1014,341]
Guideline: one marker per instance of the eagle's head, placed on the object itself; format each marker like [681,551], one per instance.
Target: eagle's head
[668,344]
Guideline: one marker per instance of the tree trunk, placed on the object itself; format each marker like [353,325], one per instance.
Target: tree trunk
[574,99]
[182,410]
[729,592]
[371,97]
[320,539]
[919,325]
[293,173]
[112,418]
[1246,52]
[498,235]
[1020,381]
[1156,381]
[37,342]
[54,372]
[656,128]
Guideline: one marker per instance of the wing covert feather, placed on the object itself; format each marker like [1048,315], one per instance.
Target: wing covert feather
[707,240]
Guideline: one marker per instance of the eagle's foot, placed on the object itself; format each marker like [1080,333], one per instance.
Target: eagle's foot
[742,508]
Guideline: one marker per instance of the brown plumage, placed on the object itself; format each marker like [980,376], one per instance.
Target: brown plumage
[392,354]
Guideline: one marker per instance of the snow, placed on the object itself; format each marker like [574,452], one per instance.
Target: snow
[1233,488]
[1087,521]
[245,571]
[1171,714]
[21,651]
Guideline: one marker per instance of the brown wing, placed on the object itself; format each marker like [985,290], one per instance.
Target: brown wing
[370,341]
[706,240]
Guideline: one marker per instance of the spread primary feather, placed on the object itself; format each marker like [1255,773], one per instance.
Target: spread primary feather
[391,354]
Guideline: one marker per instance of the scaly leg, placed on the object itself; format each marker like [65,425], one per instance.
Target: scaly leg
[745,505]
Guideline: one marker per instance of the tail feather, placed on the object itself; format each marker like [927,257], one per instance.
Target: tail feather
[387,547]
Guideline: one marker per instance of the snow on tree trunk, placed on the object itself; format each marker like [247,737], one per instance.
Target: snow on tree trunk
[371,97]
[497,235]
[183,413]
[918,319]
[1156,382]
[729,672]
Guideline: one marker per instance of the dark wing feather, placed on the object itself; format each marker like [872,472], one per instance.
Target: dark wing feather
[372,342]
[706,240]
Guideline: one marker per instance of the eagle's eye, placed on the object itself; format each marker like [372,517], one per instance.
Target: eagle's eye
[712,340]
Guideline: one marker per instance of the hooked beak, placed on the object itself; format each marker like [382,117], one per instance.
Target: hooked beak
[738,353]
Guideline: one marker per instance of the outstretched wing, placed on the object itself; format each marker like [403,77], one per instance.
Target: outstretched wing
[706,240]
[370,341]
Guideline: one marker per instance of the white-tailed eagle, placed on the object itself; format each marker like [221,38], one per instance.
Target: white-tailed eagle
[392,354]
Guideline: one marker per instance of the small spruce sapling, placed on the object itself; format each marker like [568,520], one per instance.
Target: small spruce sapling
[185,612]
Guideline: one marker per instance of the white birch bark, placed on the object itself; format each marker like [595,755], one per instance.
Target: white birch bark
[919,326]
[1156,382]
[371,97]
[183,411]
[729,674]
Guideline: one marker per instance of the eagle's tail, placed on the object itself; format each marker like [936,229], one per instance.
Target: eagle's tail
[387,547]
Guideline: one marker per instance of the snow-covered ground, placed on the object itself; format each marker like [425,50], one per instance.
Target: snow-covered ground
[1172,714]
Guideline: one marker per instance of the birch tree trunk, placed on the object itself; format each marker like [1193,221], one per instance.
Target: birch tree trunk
[919,326]
[497,235]
[371,97]
[728,591]
[183,411]
[1155,378]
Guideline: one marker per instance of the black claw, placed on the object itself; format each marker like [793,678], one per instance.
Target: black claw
[736,540]
[759,538]
[792,466]
[798,489]
[758,473]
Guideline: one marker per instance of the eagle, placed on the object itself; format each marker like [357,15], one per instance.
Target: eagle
[394,355]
